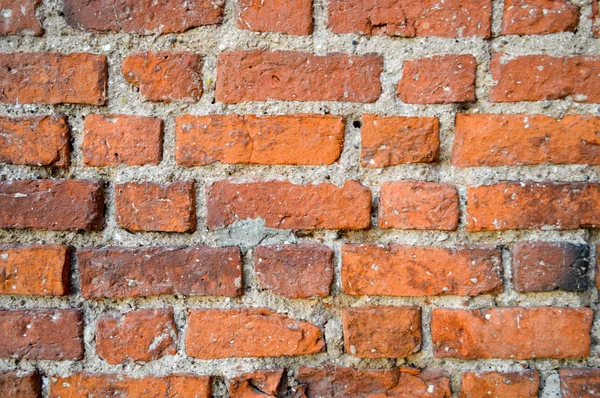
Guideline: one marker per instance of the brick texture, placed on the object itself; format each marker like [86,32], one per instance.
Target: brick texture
[15,385]
[18,18]
[292,17]
[539,17]
[579,382]
[494,384]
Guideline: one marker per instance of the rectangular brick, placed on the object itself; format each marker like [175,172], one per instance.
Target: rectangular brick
[105,385]
[57,205]
[18,18]
[286,139]
[249,332]
[282,204]
[41,334]
[418,205]
[382,332]
[533,205]
[524,384]
[111,140]
[269,383]
[409,18]
[295,271]
[35,141]
[394,140]
[53,78]
[512,140]
[400,270]
[512,333]
[542,77]
[293,17]
[256,75]
[34,269]
[144,17]
[539,17]
[15,384]
[114,272]
[547,266]
[147,206]
[579,382]
[442,79]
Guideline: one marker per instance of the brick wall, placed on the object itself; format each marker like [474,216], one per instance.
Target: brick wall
[328,198]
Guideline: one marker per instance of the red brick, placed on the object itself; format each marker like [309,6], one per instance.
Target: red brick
[256,75]
[143,17]
[595,18]
[147,206]
[511,140]
[282,204]
[353,383]
[295,271]
[382,332]
[165,76]
[249,332]
[579,382]
[286,139]
[18,18]
[117,385]
[293,17]
[35,141]
[408,18]
[539,17]
[57,205]
[34,269]
[262,383]
[512,333]
[114,272]
[41,334]
[393,140]
[542,77]
[111,140]
[53,78]
[547,266]
[142,335]
[533,205]
[418,205]
[441,79]
[497,385]
[17,384]
[399,270]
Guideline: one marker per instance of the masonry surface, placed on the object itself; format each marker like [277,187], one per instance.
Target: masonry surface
[328,198]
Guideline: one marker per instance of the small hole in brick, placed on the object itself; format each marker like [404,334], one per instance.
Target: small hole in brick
[356,124]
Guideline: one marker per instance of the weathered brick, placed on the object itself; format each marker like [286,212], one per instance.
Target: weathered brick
[512,332]
[354,383]
[142,335]
[116,385]
[293,17]
[524,384]
[143,17]
[165,76]
[382,332]
[533,205]
[418,205]
[595,18]
[282,204]
[442,79]
[147,206]
[14,384]
[393,140]
[18,18]
[539,17]
[542,77]
[579,382]
[546,266]
[399,270]
[41,334]
[262,383]
[35,141]
[115,272]
[111,140]
[249,332]
[295,271]
[34,269]
[57,205]
[407,18]
[286,139]
[53,78]
[511,140]
[295,76]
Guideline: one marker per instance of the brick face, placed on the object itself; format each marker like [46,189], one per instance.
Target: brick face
[293,17]
[18,18]
[539,17]
[522,385]
[579,382]
[15,385]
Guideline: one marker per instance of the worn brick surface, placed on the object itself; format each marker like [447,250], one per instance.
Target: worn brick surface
[16,385]
[495,384]
[293,17]
[18,18]
[539,17]
[579,382]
